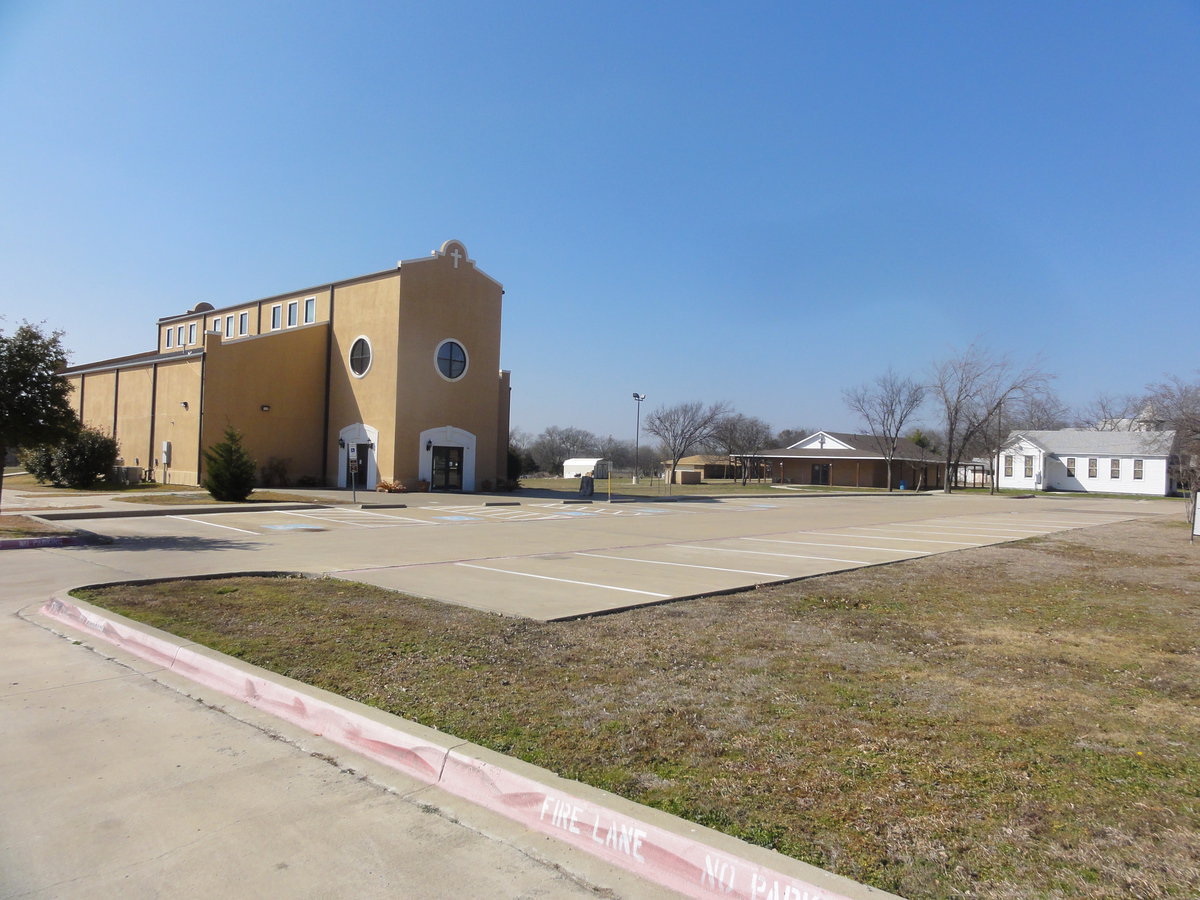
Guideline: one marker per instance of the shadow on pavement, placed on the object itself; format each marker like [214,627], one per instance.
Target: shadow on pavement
[175,543]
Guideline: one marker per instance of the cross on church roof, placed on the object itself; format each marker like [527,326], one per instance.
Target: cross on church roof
[457,254]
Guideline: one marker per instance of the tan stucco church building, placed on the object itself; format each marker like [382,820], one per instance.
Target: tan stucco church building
[400,368]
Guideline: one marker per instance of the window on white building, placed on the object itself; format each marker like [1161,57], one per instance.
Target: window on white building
[1093,465]
[1137,470]
[1114,468]
[1071,466]
[1008,466]
[1028,466]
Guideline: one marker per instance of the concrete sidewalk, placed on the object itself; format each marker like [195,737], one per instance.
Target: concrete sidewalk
[113,784]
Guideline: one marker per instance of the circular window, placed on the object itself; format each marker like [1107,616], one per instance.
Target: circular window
[451,360]
[360,357]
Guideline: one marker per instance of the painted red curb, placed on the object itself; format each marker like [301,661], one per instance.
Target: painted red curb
[65,540]
[541,801]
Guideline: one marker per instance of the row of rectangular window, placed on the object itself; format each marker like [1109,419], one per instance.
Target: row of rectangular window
[175,336]
[293,313]
[1114,467]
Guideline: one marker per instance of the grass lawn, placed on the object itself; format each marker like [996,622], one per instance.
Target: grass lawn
[656,487]
[27,482]
[1013,721]
[23,527]
[201,498]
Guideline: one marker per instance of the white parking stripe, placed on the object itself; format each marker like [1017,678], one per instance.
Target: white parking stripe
[948,528]
[213,524]
[839,546]
[656,562]
[337,521]
[892,537]
[857,562]
[608,587]
[389,516]
[991,526]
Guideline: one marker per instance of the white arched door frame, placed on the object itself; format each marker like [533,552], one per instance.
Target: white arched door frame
[448,436]
[358,433]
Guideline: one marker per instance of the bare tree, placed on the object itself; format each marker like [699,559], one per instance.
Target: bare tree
[790,436]
[1042,411]
[684,427]
[971,389]
[1109,412]
[555,445]
[885,406]
[928,446]
[741,437]
[1174,405]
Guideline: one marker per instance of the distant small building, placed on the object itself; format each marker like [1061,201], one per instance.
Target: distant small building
[1077,459]
[706,465]
[578,467]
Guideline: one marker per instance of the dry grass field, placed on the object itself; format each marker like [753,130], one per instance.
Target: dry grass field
[1014,721]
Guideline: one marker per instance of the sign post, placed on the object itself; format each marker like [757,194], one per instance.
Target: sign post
[352,450]
[1195,507]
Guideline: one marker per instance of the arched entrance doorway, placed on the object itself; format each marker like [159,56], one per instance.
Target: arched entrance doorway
[365,440]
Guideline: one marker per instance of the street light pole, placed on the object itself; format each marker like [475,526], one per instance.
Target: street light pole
[637,434]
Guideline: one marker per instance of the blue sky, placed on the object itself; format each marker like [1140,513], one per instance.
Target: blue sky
[755,202]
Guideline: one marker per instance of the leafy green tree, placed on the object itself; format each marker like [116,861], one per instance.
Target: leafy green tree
[39,462]
[228,469]
[81,460]
[34,399]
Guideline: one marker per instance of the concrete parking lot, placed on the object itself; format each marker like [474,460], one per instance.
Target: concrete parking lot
[118,786]
[551,560]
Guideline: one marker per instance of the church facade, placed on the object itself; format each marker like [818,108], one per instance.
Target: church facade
[393,376]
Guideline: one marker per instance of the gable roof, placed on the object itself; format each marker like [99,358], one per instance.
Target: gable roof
[1086,442]
[842,445]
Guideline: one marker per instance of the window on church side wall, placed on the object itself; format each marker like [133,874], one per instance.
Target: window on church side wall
[243,323]
[192,333]
[276,318]
[360,357]
[310,310]
[293,313]
[170,338]
[451,360]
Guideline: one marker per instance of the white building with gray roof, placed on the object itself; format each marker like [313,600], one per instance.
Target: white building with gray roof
[1076,459]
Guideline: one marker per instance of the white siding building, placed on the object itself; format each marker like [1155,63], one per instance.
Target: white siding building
[1111,462]
[580,466]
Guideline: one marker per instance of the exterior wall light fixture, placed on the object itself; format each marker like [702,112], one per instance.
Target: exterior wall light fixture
[266,407]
